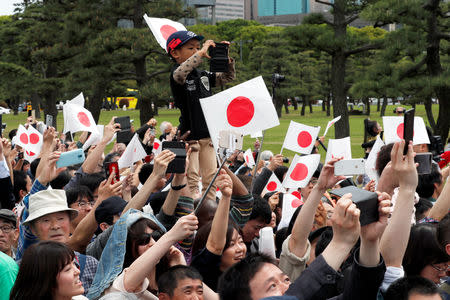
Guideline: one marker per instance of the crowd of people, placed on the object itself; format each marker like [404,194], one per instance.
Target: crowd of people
[77,233]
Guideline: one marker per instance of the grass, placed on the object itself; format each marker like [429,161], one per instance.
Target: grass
[274,137]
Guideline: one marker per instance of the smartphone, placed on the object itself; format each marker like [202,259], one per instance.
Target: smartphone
[408,128]
[70,158]
[124,122]
[147,159]
[349,167]
[49,120]
[114,167]
[219,58]
[425,161]
[20,155]
[178,165]
[230,140]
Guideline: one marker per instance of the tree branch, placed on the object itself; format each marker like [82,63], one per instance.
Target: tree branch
[326,3]
[351,19]
[413,70]
[158,72]
[363,48]
[444,36]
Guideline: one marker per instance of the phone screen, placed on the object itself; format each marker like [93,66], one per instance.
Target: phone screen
[114,167]
[408,128]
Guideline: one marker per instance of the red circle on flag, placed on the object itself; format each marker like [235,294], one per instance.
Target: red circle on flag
[297,194]
[300,172]
[24,138]
[84,119]
[155,146]
[240,111]
[34,138]
[296,203]
[304,139]
[246,159]
[167,30]
[30,153]
[271,186]
[400,129]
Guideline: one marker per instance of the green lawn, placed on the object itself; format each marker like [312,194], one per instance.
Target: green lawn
[273,138]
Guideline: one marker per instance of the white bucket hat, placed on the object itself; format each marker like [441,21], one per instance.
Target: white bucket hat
[46,202]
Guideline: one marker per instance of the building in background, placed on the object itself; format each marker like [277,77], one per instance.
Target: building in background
[224,10]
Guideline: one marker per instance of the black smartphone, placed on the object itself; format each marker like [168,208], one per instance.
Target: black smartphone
[177,165]
[20,155]
[408,128]
[124,122]
[425,161]
[219,58]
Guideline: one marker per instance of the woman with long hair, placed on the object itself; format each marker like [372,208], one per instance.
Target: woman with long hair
[48,270]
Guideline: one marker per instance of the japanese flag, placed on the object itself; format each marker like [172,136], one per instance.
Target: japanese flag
[301,170]
[249,160]
[331,123]
[372,158]
[339,148]
[256,134]
[95,137]
[156,147]
[30,140]
[245,108]
[290,204]
[163,28]
[393,130]
[78,100]
[273,185]
[300,138]
[77,118]
[132,154]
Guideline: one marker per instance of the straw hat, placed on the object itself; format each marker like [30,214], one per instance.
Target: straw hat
[46,202]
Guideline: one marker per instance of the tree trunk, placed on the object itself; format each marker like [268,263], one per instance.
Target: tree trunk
[302,113]
[367,104]
[328,105]
[378,104]
[310,106]
[294,102]
[429,111]
[94,104]
[50,96]
[434,69]
[35,103]
[286,107]
[383,107]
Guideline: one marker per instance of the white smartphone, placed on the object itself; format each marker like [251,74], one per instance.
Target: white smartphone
[349,167]
[230,140]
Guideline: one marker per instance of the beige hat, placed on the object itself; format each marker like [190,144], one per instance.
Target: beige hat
[46,202]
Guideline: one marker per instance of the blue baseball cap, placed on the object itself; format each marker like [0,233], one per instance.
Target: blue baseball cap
[179,38]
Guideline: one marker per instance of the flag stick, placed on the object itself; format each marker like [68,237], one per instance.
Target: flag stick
[281,152]
[320,142]
[209,187]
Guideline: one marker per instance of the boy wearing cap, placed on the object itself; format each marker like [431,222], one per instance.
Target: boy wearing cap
[188,85]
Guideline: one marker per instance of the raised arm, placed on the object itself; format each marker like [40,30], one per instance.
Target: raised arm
[442,205]
[396,236]
[239,188]
[142,267]
[217,237]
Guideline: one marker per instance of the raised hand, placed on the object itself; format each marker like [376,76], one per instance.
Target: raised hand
[327,179]
[345,220]
[224,183]
[274,200]
[161,162]
[403,166]
[204,51]
[46,170]
[275,162]
[373,231]
[108,189]
[184,227]
[109,130]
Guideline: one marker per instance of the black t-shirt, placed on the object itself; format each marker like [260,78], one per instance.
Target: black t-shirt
[198,85]
[208,265]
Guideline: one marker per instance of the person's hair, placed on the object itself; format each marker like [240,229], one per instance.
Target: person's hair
[78,192]
[20,183]
[246,180]
[92,181]
[234,282]
[39,269]
[261,210]
[33,166]
[423,249]
[443,231]
[370,128]
[404,287]
[145,172]
[135,232]
[324,239]
[383,158]
[280,171]
[280,237]
[12,133]
[266,155]
[203,233]
[244,170]
[109,158]
[347,182]
[169,280]
[61,180]
[425,187]
[163,126]
[422,207]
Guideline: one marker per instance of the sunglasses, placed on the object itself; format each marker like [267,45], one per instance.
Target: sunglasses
[144,239]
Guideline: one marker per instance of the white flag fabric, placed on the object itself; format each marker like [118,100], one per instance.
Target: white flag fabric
[245,108]
[78,118]
[372,158]
[132,153]
[256,134]
[301,170]
[267,242]
[163,28]
[393,130]
[290,204]
[339,148]
[78,100]
[30,140]
[94,138]
[300,138]
[273,185]
[248,157]
[156,147]
[331,123]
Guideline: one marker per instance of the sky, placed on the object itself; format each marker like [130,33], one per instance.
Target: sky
[7,7]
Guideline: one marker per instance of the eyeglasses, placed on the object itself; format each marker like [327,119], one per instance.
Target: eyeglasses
[82,204]
[6,229]
[144,239]
[441,269]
